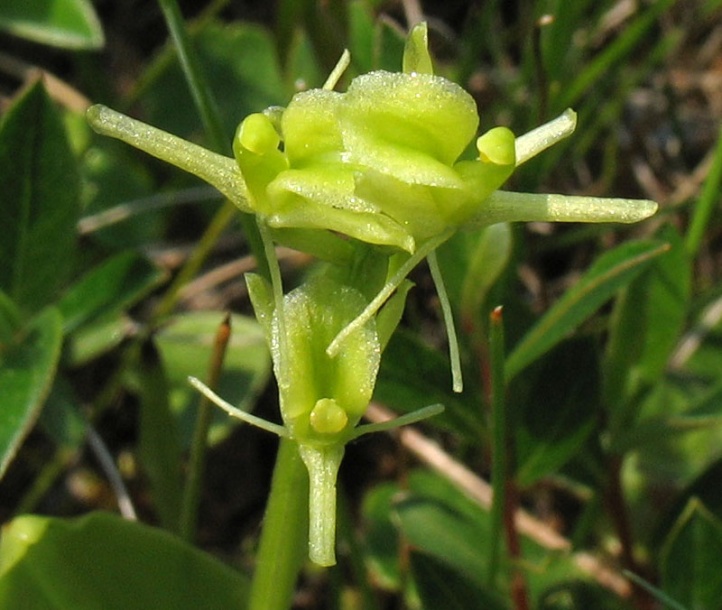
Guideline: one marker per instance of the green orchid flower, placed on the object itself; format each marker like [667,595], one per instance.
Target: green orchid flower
[379,163]
[373,178]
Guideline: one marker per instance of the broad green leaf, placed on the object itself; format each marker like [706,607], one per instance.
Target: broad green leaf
[704,489]
[361,35]
[647,321]
[439,521]
[10,318]
[91,341]
[116,284]
[69,24]
[612,271]
[102,561]
[27,368]
[558,412]
[302,66]
[577,593]
[440,587]
[121,208]
[381,536]
[241,67]
[186,344]
[690,559]
[457,541]
[472,262]
[160,451]
[389,43]
[428,495]
[668,421]
[61,417]
[41,206]
[413,375]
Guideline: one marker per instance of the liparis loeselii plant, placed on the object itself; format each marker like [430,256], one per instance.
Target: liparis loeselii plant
[371,181]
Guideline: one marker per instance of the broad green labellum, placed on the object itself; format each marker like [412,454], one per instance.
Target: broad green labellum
[322,397]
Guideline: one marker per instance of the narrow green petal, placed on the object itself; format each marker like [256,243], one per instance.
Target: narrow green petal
[506,206]
[218,170]
[416,51]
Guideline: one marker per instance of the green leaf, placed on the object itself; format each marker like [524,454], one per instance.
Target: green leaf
[41,203]
[440,587]
[69,24]
[577,593]
[413,375]
[612,271]
[62,418]
[115,285]
[704,489]
[361,35]
[27,369]
[97,338]
[10,318]
[438,520]
[302,68]
[102,561]
[241,67]
[472,262]
[381,537]
[647,321]
[451,537]
[690,559]
[668,422]
[186,342]
[160,451]
[558,412]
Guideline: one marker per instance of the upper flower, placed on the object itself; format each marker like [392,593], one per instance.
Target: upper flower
[380,162]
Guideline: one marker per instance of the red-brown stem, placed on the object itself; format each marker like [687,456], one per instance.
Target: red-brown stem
[519,591]
[617,509]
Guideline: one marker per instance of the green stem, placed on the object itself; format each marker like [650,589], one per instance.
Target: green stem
[195,261]
[208,110]
[707,202]
[499,437]
[283,545]
[201,92]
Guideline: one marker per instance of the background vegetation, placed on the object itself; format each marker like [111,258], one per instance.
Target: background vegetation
[116,271]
